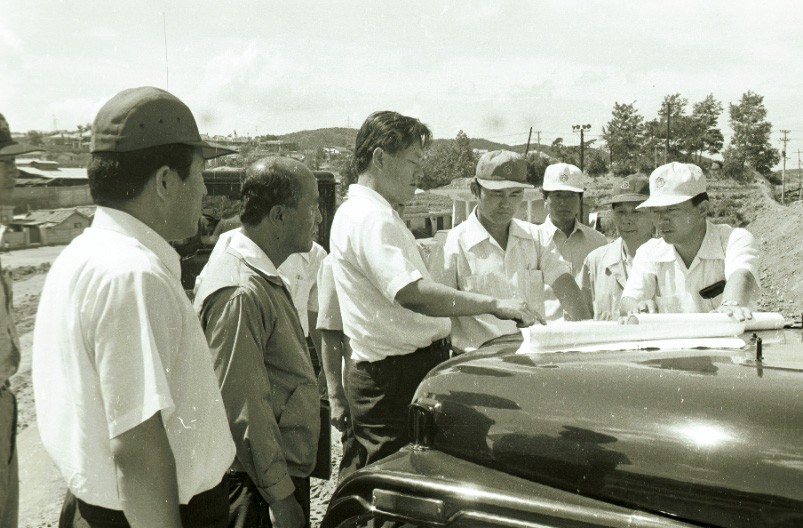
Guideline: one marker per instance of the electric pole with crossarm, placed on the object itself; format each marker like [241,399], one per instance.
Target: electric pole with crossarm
[582,129]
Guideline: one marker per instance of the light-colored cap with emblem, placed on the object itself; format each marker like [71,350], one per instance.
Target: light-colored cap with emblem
[502,169]
[563,177]
[674,183]
[634,188]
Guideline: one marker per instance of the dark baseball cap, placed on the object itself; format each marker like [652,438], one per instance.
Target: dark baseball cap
[145,117]
[9,147]
[502,169]
[635,188]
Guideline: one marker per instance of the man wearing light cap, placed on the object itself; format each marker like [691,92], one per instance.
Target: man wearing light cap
[495,254]
[563,196]
[9,342]
[127,401]
[696,266]
[606,268]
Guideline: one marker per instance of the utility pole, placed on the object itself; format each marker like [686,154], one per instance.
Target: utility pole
[668,115]
[783,171]
[581,129]
[526,150]
[538,141]
[799,178]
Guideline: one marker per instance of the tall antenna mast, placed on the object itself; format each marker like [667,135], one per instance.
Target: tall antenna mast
[167,70]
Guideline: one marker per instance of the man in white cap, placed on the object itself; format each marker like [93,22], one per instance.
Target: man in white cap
[606,268]
[563,196]
[696,266]
[495,254]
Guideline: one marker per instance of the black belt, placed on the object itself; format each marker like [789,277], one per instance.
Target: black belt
[440,344]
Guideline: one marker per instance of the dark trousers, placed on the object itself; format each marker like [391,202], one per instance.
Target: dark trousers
[9,465]
[247,507]
[209,509]
[379,394]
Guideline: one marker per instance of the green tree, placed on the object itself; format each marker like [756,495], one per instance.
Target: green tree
[705,133]
[624,133]
[680,127]
[595,164]
[750,144]
[449,161]
[35,138]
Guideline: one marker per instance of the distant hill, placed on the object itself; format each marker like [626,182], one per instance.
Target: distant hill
[346,137]
[323,137]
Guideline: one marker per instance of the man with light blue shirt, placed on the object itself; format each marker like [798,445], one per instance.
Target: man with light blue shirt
[495,254]
[394,314]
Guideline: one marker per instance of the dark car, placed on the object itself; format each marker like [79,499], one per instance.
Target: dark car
[639,438]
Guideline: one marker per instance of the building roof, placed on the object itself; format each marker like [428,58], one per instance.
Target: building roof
[54,216]
[66,173]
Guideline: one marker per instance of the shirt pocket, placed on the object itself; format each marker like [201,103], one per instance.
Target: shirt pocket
[669,304]
[532,284]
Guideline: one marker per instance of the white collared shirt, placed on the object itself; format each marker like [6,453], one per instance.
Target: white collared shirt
[300,274]
[574,249]
[328,305]
[473,261]
[116,341]
[375,256]
[604,276]
[659,273]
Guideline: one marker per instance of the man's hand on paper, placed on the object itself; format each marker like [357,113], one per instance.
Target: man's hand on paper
[647,306]
[731,308]
[517,311]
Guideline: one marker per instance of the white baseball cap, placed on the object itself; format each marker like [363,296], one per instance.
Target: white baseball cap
[674,183]
[563,177]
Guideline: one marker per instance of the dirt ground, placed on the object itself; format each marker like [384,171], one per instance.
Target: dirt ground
[778,229]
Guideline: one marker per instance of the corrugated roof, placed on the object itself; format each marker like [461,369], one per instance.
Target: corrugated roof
[67,173]
[52,216]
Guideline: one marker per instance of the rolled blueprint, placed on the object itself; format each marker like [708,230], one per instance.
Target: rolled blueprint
[760,320]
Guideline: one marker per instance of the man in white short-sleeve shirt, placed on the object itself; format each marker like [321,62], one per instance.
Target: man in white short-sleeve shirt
[696,266]
[563,195]
[495,254]
[127,402]
[394,314]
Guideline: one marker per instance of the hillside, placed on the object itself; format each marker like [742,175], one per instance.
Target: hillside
[323,137]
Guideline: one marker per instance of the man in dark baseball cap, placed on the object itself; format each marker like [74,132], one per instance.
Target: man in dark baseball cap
[606,268]
[9,343]
[498,255]
[128,403]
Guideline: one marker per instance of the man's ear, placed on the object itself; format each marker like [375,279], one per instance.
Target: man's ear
[378,157]
[705,208]
[162,180]
[276,215]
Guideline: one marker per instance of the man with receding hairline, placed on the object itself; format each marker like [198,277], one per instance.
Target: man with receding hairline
[394,314]
[260,354]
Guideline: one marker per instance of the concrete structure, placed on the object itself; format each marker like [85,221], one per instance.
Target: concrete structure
[48,227]
[44,185]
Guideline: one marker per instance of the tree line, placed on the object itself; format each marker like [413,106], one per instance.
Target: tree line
[634,144]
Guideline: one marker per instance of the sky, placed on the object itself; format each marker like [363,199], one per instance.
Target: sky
[490,68]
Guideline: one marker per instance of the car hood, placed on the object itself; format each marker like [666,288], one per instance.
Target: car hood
[710,436]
